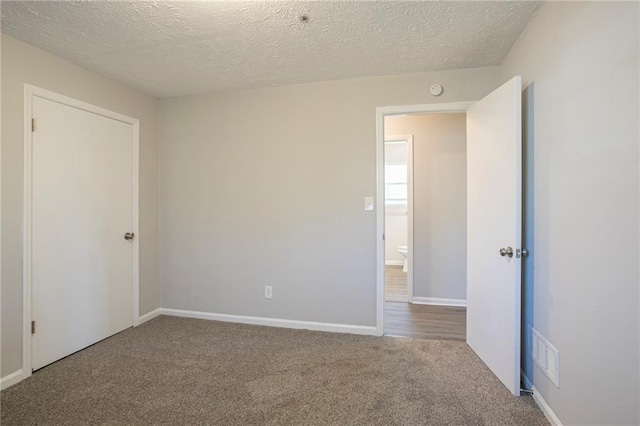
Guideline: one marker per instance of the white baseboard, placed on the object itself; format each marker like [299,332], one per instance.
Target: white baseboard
[403,299]
[273,322]
[439,302]
[394,263]
[17,376]
[11,379]
[544,406]
[149,316]
[546,409]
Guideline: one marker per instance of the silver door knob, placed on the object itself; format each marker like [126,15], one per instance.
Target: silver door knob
[506,252]
[129,236]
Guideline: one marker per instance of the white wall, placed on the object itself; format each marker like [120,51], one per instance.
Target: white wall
[579,62]
[440,202]
[22,63]
[395,235]
[395,225]
[266,187]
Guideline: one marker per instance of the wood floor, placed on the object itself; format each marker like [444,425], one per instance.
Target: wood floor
[395,284]
[425,321]
[418,321]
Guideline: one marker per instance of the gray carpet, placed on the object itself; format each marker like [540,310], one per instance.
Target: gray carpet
[188,371]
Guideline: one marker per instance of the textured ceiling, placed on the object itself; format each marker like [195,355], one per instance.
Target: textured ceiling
[186,47]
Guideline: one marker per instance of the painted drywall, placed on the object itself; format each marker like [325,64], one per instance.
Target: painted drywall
[440,202]
[22,63]
[579,62]
[266,187]
[395,224]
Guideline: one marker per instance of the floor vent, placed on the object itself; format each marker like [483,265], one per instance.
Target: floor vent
[546,356]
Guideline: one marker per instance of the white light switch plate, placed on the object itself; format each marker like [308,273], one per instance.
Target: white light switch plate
[368,204]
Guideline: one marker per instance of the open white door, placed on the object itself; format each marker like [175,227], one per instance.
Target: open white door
[494,231]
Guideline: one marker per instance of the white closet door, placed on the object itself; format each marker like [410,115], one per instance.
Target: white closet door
[82,266]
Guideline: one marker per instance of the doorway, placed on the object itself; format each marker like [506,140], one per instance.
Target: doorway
[425,225]
[81,226]
[494,224]
[398,174]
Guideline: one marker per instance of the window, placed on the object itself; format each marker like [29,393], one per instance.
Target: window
[395,185]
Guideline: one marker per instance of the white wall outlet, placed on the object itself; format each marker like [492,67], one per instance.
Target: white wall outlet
[368,204]
[268,292]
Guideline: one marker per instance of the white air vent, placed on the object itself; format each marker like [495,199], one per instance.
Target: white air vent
[546,356]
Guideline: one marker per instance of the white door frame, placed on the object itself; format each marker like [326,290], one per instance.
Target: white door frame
[409,141]
[381,112]
[29,93]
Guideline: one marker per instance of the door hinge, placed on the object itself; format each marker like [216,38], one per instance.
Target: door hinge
[33,327]
[383,236]
[33,124]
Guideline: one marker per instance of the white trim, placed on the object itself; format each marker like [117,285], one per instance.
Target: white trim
[545,408]
[135,222]
[149,316]
[26,233]
[395,211]
[29,92]
[408,139]
[426,108]
[410,217]
[394,262]
[381,112]
[65,100]
[537,397]
[438,301]
[11,379]
[380,219]
[273,322]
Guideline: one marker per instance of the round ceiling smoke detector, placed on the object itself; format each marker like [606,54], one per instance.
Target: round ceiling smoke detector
[435,89]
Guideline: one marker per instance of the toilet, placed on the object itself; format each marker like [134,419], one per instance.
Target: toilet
[403,251]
